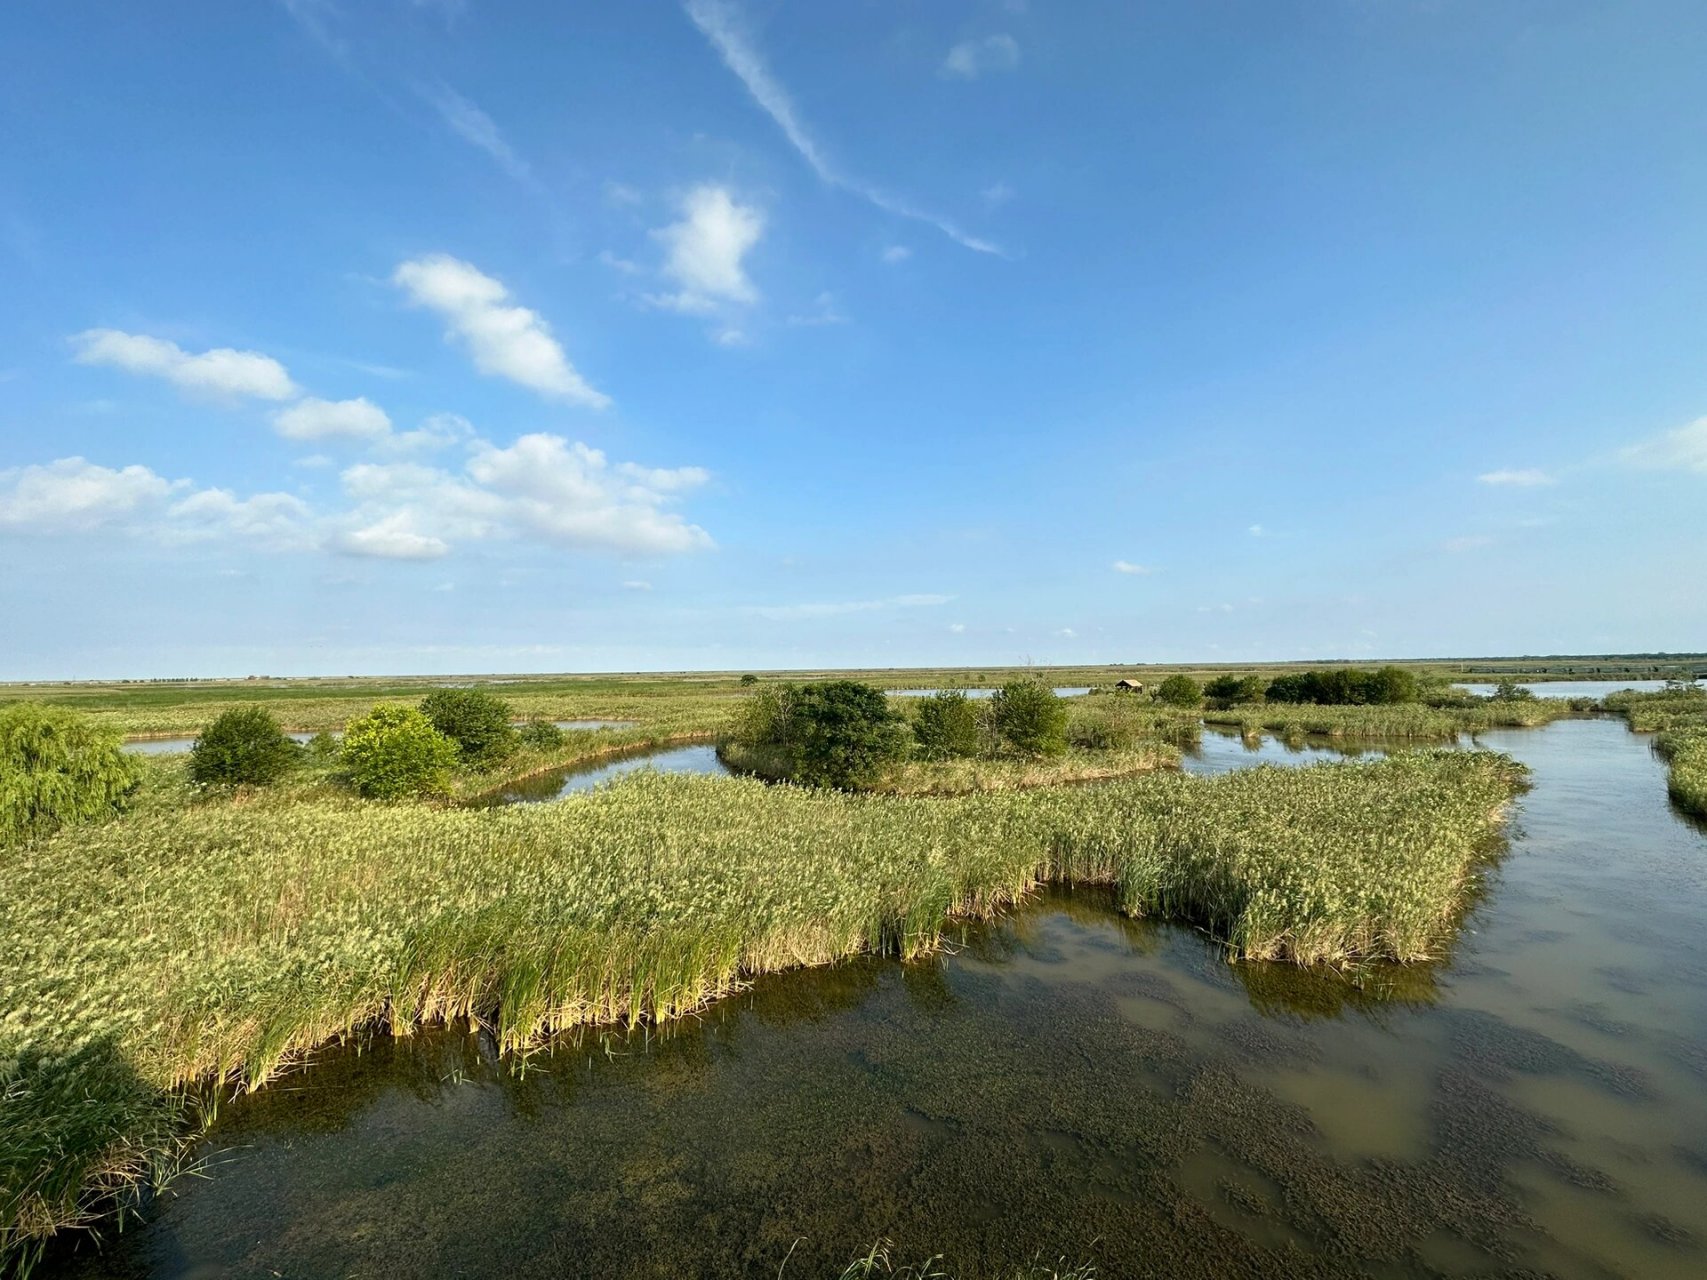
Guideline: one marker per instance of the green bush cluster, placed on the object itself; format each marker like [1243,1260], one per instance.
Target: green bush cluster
[243,747]
[1345,687]
[57,768]
[1029,718]
[477,722]
[1227,691]
[394,752]
[1180,691]
[948,726]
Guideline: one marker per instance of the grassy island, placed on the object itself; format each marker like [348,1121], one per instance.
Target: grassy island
[219,941]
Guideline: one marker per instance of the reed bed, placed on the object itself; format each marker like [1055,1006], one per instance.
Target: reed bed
[1679,716]
[1685,750]
[958,777]
[1402,721]
[221,941]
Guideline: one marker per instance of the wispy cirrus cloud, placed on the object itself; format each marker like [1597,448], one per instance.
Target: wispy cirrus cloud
[1684,449]
[973,58]
[1517,478]
[721,24]
[1127,566]
[836,608]
[505,340]
[465,119]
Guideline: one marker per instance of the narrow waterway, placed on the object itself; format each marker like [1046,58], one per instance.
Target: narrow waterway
[1065,1084]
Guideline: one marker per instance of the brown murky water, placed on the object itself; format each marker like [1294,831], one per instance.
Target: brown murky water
[1065,1085]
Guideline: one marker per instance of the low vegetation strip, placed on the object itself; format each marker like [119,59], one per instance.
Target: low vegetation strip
[220,940]
[1685,750]
[957,777]
[1403,720]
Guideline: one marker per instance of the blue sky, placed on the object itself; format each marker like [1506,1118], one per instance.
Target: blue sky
[426,336]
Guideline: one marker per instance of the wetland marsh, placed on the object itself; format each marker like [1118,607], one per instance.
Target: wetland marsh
[1060,1082]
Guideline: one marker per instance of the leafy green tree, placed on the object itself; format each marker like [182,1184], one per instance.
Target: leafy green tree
[1250,690]
[1180,691]
[749,680]
[243,747]
[1229,689]
[477,722]
[394,752]
[540,734]
[57,768]
[843,734]
[1030,718]
[1391,685]
[947,725]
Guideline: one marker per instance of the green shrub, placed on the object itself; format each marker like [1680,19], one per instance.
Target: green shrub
[322,748]
[1509,690]
[1345,687]
[1229,690]
[477,722]
[947,726]
[835,733]
[540,734]
[1180,691]
[57,768]
[844,734]
[1030,719]
[1101,731]
[243,747]
[748,680]
[394,752]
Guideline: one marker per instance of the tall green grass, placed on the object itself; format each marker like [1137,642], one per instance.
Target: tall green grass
[1413,721]
[218,941]
[1679,716]
[1685,750]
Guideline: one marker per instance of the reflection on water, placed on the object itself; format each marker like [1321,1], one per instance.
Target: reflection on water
[1222,750]
[1573,688]
[584,777]
[173,746]
[1064,1083]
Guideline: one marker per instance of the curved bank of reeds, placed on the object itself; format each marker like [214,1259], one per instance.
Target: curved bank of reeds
[221,941]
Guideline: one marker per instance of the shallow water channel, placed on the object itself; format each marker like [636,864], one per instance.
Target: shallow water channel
[1064,1085]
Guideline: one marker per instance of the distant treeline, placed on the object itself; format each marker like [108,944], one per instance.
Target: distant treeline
[1336,687]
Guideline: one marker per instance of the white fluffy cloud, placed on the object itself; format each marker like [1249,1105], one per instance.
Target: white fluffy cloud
[704,250]
[506,341]
[1126,566]
[1682,450]
[314,419]
[972,58]
[73,494]
[279,521]
[542,489]
[391,537]
[1522,478]
[221,372]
